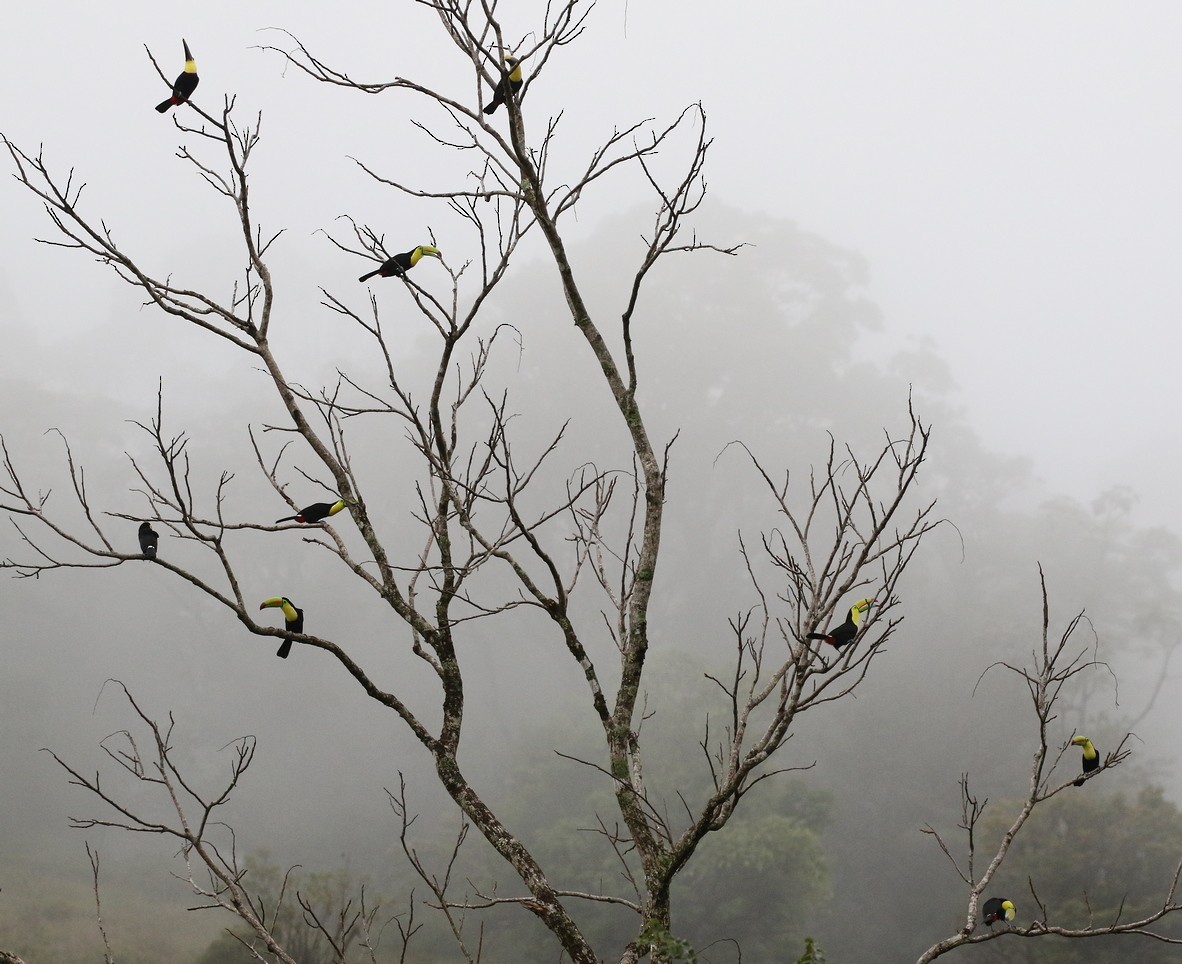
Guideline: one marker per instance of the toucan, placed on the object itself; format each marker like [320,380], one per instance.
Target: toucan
[312,514]
[999,908]
[846,632]
[185,84]
[149,539]
[1091,758]
[400,264]
[506,86]
[294,618]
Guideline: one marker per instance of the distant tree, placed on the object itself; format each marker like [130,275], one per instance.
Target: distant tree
[757,885]
[223,949]
[1054,669]
[812,953]
[311,915]
[1094,858]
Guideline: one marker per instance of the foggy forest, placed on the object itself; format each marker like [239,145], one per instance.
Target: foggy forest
[572,481]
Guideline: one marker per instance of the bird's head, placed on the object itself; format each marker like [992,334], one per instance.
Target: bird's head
[858,609]
[272,603]
[1009,911]
[430,251]
[190,63]
[1080,740]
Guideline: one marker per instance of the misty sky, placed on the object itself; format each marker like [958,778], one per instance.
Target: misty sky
[1009,172]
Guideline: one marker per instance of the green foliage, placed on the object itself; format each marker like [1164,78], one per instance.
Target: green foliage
[812,953]
[663,945]
[331,895]
[224,949]
[47,915]
[1092,857]
[760,879]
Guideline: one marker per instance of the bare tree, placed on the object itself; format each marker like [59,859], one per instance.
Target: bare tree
[1054,667]
[480,505]
[168,804]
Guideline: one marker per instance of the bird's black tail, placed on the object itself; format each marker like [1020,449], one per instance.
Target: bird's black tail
[1078,783]
[164,105]
[366,277]
[290,518]
[284,649]
[492,107]
[817,636]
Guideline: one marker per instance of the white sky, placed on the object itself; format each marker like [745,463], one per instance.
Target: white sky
[1009,170]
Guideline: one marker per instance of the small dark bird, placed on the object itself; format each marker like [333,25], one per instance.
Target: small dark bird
[507,86]
[999,908]
[185,84]
[312,514]
[293,617]
[1091,758]
[400,264]
[149,539]
[846,632]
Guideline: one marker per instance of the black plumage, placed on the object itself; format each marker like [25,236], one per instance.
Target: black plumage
[507,86]
[149,540]
[293,618]
[1091,757]
[845,633]
[400,264]
[185,84]
[314,513]
[998,909]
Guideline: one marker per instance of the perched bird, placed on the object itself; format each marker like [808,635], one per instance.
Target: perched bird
[185,84]
[999,908]
[293,617]
[1091,758]
[400,264]
[312,514]
[846,632]
[507,86]
[149,539]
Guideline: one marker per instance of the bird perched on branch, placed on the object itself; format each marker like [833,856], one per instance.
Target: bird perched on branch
[185,84]
[293,617]
[314,513]
[999,908]
[400,264]
[1091,758]
[507,86]
[149,539]
[846,632]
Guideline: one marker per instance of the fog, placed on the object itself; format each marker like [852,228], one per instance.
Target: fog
[972,205]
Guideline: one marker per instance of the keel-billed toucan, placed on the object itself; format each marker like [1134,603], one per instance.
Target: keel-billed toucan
[400,264]
[312,514]
[999,908]
[1091,758]
[292,616]
[846,632]
[149,539]
[185,84]
[508,85]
